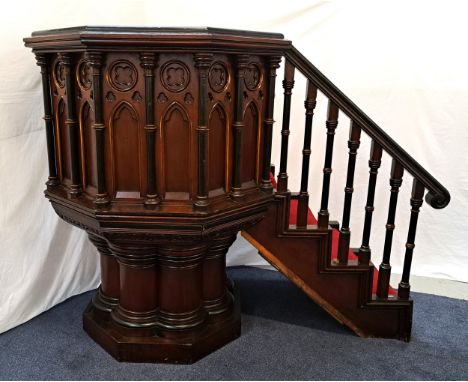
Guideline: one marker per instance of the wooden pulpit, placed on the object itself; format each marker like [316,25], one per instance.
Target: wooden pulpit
[159,146]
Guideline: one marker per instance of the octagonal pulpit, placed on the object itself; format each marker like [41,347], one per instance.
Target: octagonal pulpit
[159,145]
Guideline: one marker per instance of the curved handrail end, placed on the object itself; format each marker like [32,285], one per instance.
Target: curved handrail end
[438,201]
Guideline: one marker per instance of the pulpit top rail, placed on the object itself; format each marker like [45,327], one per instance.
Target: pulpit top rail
[83,37]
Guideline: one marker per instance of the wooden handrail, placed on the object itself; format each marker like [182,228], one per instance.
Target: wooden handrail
[438,196]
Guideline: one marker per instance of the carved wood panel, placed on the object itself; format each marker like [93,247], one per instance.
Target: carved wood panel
[88,149]
[254,114]
[221,103]
[84,106]
[250,138]
[124,130]
[217,143]
[177,151]
[176,108]
[176,119]
[123,107]
[63,138]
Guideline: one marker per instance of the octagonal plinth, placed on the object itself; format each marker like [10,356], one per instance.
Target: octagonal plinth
[159,345]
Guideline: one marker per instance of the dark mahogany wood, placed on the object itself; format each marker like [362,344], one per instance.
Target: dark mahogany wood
[288,85]
[237,127]
[159,147]
[162,137]
[438,196]
[374,164]
[333,287]
[385,268]
[345,232]
[202,63]
[416,203]
[65,61]
[148,63]
[303,200]
[331,124]
[95,61]
[272,65]
[42,61]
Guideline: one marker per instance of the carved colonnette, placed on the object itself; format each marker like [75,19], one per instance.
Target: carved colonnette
[157,143]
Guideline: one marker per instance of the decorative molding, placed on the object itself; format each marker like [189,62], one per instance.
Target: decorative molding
[253,76]
[137,96]
[218,77]
[162,98]
[110,96]
[175,76]
[188,99]
[122,75]
[59,73]
[84,74]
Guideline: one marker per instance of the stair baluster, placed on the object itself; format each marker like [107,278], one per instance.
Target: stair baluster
[331,124]
[303,199]
[345,233]
[288,84]
[385,268]
[416,202]
[374,164]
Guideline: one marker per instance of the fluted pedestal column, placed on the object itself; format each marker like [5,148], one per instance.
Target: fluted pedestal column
[164,302]
[137,306]
[216,297]
[107,296]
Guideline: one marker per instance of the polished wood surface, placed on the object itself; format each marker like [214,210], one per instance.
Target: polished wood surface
[159,147]
[159,144]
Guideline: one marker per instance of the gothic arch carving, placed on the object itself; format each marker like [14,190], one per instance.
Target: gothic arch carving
[176,132]
[88,147]
[124,136]
[63,143]
[218,146]
[250,144]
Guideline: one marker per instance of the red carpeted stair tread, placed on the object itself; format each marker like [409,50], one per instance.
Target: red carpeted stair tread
[335,236]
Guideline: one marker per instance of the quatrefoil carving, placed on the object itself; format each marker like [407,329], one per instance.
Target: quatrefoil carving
[122,75]
[175,76]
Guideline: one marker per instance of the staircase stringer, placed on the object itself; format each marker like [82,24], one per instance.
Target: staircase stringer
[364,274]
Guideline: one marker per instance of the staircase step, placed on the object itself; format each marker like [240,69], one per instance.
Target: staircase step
[344,291]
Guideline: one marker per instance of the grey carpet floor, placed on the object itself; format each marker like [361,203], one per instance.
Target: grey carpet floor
[285,336]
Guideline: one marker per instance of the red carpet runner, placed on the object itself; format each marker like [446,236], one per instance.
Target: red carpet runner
[335,235]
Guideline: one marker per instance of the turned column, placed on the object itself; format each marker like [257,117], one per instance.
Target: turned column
[241,62]
[180,286]
[72,125]
[107,296]
[95,61]
[148,63]
[216,297]
[137,306]
[42,61]
[202,63]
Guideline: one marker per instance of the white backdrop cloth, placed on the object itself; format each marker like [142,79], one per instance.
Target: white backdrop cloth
[404,63]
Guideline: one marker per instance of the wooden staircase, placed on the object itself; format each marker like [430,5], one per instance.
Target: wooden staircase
[336,277]
[344,291]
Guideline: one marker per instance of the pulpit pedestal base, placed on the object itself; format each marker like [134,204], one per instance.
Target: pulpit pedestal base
[158,345]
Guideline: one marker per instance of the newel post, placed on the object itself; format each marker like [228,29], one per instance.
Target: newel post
[42,61]
[273,64]
[95,61]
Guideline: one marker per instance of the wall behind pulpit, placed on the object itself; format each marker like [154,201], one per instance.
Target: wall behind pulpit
[404,63]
